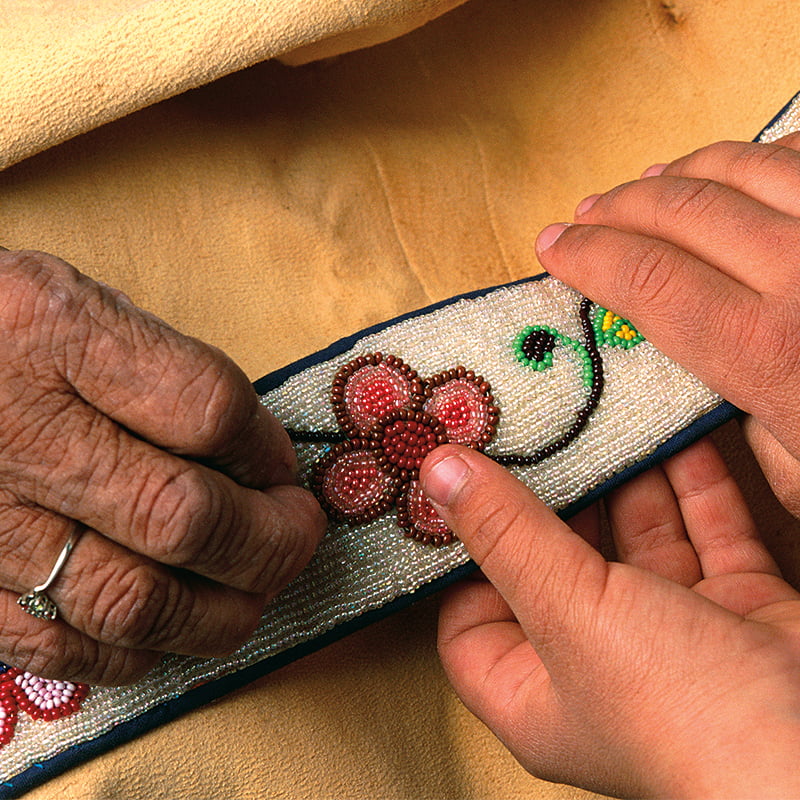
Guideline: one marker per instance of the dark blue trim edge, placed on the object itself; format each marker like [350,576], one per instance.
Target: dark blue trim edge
[275,379]
[776,117]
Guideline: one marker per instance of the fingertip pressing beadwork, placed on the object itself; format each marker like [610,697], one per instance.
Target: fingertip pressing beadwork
[393,420]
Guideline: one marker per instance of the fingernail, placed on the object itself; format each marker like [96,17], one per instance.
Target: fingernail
[654,171]
[547,238]
[445,479]
[586,204]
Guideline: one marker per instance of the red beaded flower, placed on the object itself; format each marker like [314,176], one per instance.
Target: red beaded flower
[40,698]
[393,419]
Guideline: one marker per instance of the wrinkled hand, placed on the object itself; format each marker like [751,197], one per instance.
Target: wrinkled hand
[675,673]
[155,445]
[703,255]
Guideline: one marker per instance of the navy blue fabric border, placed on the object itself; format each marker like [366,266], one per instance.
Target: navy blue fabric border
[199,696]
[776,117]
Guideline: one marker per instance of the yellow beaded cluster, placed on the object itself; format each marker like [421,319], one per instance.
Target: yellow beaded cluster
[614,331]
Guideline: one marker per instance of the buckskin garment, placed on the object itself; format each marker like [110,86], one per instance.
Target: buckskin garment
[271,176]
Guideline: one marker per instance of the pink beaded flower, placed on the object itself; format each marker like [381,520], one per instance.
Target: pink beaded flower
[40,698]
[393,419]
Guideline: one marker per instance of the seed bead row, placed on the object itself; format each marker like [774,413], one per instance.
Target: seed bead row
[8,715]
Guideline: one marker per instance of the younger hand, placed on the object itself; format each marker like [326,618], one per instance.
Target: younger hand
[674,673]
[703,255]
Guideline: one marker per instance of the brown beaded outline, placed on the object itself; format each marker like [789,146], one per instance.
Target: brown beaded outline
[461,373]
[343,375]
[410,531]
[385,503]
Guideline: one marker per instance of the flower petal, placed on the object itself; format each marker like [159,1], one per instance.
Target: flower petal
[420,520]
[351,484]
[43,698]
[8,712]
[369,388]
[462,401]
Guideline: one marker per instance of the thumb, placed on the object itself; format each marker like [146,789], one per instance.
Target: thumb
[551,579]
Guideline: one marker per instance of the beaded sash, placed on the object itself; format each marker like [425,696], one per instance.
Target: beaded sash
[566,394]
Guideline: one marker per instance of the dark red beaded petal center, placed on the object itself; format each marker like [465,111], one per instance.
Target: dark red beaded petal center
[406,442]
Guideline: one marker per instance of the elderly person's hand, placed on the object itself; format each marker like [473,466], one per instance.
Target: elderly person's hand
[703,255]
[153,449]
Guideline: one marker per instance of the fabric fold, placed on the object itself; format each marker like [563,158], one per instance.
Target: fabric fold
[68,70]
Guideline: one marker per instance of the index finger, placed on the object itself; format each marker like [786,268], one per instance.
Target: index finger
[722,331]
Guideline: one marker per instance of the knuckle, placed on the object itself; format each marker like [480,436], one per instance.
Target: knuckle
[706,159]
[689,199]
[292,528]
[26,276]
[139,607]
[58,653]
[751,161]
[769,339]
[492,527]
[49,654]
[180,517]
[646,274]
[225,398]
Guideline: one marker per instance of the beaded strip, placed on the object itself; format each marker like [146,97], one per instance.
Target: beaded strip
[391,419]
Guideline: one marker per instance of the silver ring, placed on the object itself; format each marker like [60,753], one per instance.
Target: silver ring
[36,602]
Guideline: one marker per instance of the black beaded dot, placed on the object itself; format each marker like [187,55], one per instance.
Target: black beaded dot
[537,343]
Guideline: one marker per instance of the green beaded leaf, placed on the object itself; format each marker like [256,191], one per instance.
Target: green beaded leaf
[614,331]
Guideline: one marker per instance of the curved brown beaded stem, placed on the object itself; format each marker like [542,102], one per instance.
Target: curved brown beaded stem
[539,353]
